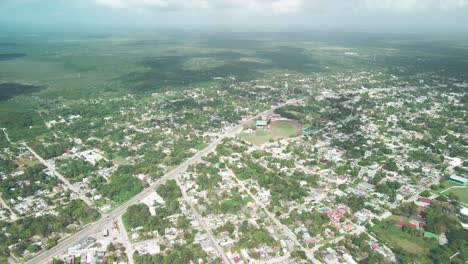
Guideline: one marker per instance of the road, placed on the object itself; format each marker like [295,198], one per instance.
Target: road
[357,231]
[5,205]
[97,226]
[416,195]
[6,135]
[454,187]
[127,244]
[200,220]
[275,220]
[283,259]
[61,177]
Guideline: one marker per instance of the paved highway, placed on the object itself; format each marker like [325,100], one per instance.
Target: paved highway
[97,226]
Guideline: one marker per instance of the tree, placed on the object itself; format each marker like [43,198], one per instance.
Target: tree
[137,215]
[426,193]
[299,254]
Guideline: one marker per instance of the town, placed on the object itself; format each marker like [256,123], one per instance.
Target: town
[279,170]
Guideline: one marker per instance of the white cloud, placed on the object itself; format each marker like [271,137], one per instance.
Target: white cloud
[287,6]
[251,6]
[137,4]
[414,5]
[113,3]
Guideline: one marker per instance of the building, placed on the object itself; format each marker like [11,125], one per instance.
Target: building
[262,124]
[458,180]
[418,221]
[431,235]
[402,224]
[464,211]
[308,130]
[349,259]
[365,186]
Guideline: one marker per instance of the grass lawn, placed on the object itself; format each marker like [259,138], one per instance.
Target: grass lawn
[30,163]
[446,185]
[461,193]
[398,218]
[284,129]
[119,160]
[239,202]
[258,137]
[280,130]
[234,205]
[393,236]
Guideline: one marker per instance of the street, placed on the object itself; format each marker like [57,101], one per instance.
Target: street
[97,226]
[61,177]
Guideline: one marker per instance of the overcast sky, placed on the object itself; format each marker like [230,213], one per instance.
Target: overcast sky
[370,15]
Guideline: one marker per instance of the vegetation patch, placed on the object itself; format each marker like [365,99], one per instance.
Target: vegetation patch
[11,56]
[394,236]
[122,185]
[9,90]
[278,130]
[234,205]
[460,193]
[285,129]
[258,137]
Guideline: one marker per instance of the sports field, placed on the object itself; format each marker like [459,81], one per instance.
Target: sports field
[278,130]
[285,128]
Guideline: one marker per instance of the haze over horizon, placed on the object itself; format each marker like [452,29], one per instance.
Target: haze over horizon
[395,16]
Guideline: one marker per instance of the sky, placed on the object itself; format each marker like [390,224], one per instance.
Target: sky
[367,15]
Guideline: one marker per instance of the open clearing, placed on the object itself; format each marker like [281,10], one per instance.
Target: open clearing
[258,137]
[393,236]
[285,129]
[278,130]
[461,193]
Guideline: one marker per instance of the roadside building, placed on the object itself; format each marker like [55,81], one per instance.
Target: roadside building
[262,124]
[458,180]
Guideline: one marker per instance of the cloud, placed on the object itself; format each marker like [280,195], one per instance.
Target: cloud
[414,5]
[279,7]
[286,6]
[250,6]
[113,3]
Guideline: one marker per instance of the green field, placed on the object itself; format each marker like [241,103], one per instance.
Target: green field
[461,193]
[234,205]
[445,184]
[281,130]
[119,160]
[258,137]
[394,237]
[284,129]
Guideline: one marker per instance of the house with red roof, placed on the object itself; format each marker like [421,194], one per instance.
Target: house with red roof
[402,224]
